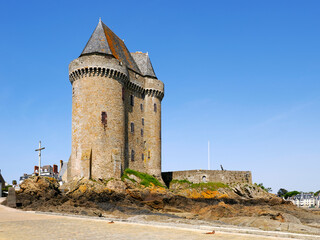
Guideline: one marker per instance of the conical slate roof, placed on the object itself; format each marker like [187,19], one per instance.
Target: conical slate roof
[144,63]
[104,41]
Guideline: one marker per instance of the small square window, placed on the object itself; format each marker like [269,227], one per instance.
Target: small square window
[132,127]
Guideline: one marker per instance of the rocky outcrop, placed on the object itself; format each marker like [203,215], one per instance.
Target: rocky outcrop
[245,205]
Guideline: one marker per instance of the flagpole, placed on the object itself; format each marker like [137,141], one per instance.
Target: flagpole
[208,155]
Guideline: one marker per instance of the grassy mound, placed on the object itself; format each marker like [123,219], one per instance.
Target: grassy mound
[145,179]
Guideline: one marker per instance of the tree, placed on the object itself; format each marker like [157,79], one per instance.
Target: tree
[317,193]
[269,189]
[281,192]
[291,194]
[14,182]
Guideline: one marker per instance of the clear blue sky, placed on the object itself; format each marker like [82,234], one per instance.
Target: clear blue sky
[242,74]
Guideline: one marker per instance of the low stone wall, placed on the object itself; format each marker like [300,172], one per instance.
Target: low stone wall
[198,176]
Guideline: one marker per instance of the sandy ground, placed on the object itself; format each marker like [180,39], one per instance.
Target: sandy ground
[15,224]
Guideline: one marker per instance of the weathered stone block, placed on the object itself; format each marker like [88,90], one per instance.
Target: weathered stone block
[12,198]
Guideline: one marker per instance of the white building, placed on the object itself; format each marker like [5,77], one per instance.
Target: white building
[306,200]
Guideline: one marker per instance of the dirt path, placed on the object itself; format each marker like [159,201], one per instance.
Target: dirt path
[16,224]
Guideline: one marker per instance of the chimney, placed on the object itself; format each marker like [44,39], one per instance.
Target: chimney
[61,164]
[55,168]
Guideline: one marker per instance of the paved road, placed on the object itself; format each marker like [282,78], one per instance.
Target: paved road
[15,224]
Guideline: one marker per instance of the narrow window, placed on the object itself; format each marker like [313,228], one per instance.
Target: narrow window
[141,132]
[149,154]
[132,127]
[104,118]
[142,121]
[123,94]
[155,107]
[131,100]
[132,155]
[142,156]
[141,107]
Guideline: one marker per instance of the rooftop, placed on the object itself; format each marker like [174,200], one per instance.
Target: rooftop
[104,41]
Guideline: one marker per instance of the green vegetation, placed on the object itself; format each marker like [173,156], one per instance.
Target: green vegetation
[282,192]
[6,188]
[181,181]
[146,179]
[291,194]
[317,193]
[208,185]
[263,187]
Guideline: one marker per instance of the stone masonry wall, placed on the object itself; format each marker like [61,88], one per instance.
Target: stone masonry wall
[136,137]
[198,176]
[98,118]
[102,114]
[145,141]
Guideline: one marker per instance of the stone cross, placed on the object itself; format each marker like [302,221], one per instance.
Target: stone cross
[39,149]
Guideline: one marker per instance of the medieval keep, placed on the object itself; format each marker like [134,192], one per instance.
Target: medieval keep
[116,116]
[116,110]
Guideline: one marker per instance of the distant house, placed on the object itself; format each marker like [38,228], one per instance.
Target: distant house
[2,184]
[46,171]
[306,200]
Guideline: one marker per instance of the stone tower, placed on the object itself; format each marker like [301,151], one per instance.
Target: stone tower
[116,110]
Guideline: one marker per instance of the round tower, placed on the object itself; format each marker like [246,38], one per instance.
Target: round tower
[98,78]
[154,92]
[97,116]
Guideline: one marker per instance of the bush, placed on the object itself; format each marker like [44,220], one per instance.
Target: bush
[209,185]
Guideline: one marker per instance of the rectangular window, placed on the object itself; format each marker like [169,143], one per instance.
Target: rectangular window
[142,156]
[155,107]
[132,155]
[141,107]
[132,127]
[141,132]
[104,118]
[149,154]
[142,120]
[131,100]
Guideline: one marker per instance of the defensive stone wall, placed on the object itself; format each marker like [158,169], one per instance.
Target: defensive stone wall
[198,176]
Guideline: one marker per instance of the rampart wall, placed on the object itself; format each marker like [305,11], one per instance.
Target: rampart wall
[198,176]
